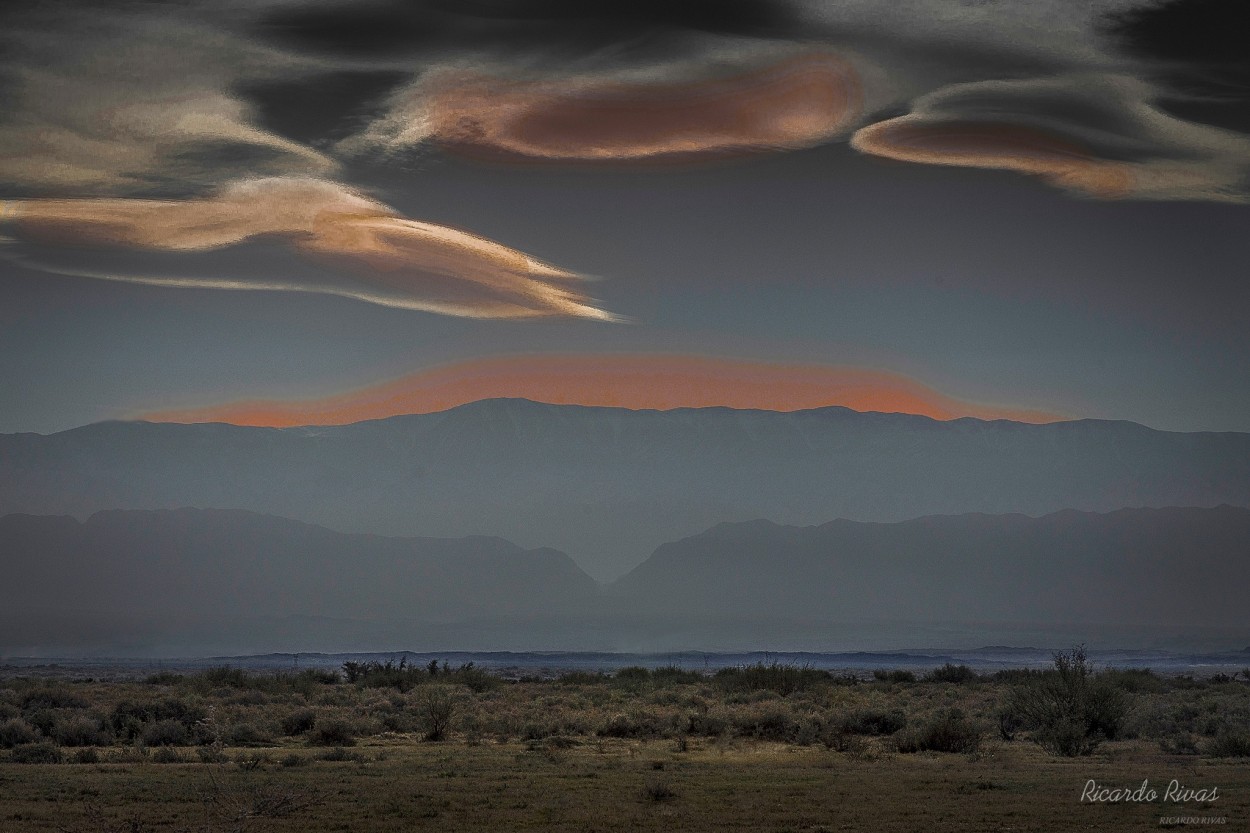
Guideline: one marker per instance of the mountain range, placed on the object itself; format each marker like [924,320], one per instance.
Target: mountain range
[187,581]
[609,485]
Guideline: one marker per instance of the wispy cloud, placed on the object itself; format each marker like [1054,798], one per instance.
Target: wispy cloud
[639,381]
[127,101]
[366,250]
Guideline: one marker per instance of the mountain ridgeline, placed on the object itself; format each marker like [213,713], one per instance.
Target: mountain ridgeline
[1170,568]
[209,578]
[189,581]
[609,485]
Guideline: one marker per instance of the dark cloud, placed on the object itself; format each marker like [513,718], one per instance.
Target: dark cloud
[322,106]
[378,28]
[1228,112]
[1198,49]
[1210,33]
[739,17]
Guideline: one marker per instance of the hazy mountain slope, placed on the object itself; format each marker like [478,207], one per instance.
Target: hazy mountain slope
[185,582]
[1162,567]
[609,485]
[217,563]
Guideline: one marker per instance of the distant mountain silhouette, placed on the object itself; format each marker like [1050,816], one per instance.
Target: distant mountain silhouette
[144,573]
[608,485]
[1167,568]
[189,581]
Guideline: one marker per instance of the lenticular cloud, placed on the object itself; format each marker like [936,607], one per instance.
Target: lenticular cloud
[346,244]
[798,102]
[1097,134]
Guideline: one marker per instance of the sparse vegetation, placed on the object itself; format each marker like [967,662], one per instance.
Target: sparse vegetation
[298,722]
[167,755]
[670,728]
[43,752]
[1070,710]
[404,677]
[658,789]
[1230,743]
[951,673]
[332,732]
[80,730]
[165,733]
[776,677]
[893,675]
[16,732]
[948,731]
[1009,723]
[435,706]
[874,722]
[339,755]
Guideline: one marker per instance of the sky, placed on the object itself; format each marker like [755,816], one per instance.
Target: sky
[307,211]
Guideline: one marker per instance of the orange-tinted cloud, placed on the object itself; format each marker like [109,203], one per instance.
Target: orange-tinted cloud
[374,254]
[628,381]
[1098,134]
[997,146]
[794,103]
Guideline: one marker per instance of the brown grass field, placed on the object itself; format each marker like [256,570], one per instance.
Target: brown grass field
[778,750]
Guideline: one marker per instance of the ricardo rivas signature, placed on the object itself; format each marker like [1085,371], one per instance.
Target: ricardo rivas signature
[1175,792]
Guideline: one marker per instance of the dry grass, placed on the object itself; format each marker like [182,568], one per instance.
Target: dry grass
[660,752]
[614,786]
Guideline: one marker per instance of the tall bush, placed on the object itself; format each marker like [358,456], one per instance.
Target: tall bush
[1069,709]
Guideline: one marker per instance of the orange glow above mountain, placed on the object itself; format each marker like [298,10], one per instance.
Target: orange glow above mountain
[635,381]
